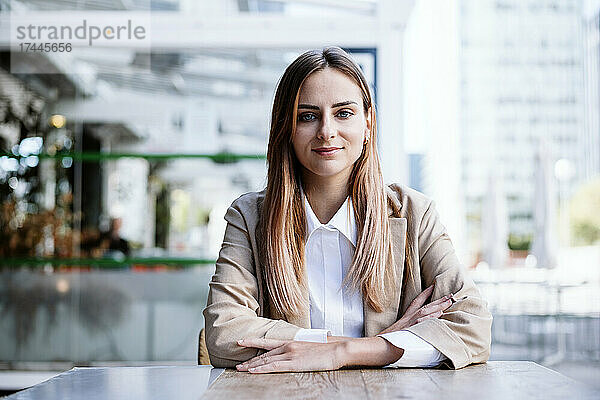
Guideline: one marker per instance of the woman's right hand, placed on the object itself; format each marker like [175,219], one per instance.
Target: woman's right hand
[419,311]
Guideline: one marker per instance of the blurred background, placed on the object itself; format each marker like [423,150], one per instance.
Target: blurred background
[118,159]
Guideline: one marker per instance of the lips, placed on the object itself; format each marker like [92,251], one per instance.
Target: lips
[325,151]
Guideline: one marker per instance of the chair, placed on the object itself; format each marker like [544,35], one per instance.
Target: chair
[203,358]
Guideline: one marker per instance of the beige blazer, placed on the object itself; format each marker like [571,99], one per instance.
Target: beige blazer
[236,300]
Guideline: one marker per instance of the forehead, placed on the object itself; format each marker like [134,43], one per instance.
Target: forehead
[329,84]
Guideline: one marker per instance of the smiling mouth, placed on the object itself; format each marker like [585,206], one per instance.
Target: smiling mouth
[326,151]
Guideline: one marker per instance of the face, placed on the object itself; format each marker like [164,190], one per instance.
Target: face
[331,125]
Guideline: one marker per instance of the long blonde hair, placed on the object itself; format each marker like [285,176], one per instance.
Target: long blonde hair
[282,227]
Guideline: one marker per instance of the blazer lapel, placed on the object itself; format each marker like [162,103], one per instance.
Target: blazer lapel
[375,322]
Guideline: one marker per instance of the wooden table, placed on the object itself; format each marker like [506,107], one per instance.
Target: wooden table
[124,383]
[504,380]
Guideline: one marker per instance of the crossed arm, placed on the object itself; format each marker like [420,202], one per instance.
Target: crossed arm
[339,351]
[462,333]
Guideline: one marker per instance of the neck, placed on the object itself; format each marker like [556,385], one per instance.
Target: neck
[325,195]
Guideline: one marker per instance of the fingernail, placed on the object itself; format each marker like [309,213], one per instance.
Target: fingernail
[252,369]
[240,341]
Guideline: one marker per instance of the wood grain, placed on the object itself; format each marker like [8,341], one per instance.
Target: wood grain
[233,385]
[504,380]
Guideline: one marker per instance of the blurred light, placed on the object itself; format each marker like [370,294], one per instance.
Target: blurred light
[64,186]
[9,164]
[117,255]
[530,261]
[67,143]
[483,266]
[58,121]
[62,285]
[564,170]
[32,161]
[21,188]
[13,182]
[32,145]
[117,210]
[67,162]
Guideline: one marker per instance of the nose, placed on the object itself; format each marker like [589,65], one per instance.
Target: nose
[326,129]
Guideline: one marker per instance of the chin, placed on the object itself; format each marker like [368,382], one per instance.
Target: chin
[327,173]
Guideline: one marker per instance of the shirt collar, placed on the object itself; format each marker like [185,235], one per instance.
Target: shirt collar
[343,220]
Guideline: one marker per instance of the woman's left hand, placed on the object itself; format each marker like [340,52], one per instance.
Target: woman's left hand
[289,355]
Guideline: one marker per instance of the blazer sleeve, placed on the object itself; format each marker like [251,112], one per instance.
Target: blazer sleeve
[463,332]
[232,310]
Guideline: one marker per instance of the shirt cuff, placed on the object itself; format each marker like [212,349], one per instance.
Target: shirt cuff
[417,352]
[312,335]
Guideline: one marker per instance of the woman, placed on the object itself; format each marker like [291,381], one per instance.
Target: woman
[328,267]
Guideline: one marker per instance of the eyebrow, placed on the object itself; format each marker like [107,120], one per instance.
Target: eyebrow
[340,104]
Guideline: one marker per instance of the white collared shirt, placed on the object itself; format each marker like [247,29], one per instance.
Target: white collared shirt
[329,249]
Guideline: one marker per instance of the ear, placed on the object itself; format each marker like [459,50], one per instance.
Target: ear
[368,119]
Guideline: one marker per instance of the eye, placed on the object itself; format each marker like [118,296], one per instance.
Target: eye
[345,114]
[306,117]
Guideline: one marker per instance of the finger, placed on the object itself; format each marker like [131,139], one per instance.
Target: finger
[420,299]
[265,360]
[259,343]
[434,307]
[442,299]
[434,315]
[244,366]
[276,366]
[444,302]
[275,351]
